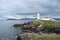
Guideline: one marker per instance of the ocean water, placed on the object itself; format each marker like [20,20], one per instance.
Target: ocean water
[7,30]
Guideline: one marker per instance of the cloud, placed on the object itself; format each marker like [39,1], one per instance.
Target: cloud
[45,7]
[12,7]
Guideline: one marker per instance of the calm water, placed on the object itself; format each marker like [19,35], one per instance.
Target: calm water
[6,29]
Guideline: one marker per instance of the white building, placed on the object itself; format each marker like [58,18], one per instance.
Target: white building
[47,19]
[43,18]
[38,16]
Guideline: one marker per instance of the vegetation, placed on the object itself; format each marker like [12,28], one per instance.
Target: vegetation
[30,36]
[47,37]
[50,29]
[47,26]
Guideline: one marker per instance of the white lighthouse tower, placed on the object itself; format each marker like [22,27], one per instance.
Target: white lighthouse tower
[38,15]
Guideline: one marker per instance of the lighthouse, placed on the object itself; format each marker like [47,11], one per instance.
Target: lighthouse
[44,18]
[38,15]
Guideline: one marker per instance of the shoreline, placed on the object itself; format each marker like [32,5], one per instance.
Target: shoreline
[39,25]
[40,28]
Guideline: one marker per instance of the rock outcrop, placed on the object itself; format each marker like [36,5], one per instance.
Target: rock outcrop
[30,26]
[27,36]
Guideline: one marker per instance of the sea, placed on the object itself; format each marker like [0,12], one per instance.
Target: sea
[8,32]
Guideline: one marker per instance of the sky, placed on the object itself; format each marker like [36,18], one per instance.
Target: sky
[49,8]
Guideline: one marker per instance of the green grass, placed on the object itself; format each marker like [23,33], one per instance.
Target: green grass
[30,36]
[47,37]
[48,26]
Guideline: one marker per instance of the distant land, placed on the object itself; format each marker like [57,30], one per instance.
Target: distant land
[29,19]
[56,18]
[23,19]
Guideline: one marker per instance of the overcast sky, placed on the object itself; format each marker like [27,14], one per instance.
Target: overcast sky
[45,7]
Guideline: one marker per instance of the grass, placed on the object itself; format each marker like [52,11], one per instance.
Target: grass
[47,37]
[30,36]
